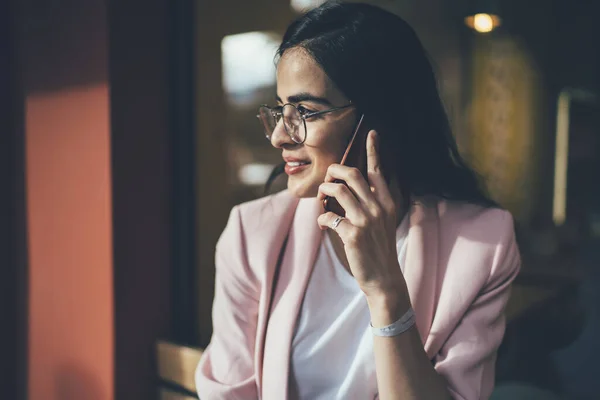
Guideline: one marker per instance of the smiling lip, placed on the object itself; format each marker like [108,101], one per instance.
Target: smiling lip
[294,165]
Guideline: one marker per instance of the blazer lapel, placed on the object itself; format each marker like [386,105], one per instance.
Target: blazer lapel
[296,268]
[282,208]
[420,271]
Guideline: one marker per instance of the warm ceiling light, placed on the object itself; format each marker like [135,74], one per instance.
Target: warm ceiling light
[483,23]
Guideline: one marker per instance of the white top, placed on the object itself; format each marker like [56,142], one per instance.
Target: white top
[332,348]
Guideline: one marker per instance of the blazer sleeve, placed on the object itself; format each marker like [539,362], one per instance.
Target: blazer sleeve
[226,368]
[467,358]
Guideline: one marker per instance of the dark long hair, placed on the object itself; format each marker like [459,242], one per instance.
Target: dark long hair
[375,58]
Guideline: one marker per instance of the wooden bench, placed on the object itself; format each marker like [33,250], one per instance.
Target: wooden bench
[176,366]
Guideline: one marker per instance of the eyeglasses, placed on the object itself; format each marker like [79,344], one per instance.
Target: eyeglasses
[294,119]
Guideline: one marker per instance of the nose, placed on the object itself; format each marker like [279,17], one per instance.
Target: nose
[279,137]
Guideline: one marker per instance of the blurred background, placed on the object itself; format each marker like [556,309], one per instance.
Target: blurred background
[128,130]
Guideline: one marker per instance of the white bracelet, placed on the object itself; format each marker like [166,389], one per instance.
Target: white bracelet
[402,325]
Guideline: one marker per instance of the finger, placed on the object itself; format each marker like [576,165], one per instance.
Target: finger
[326,220]
[354,179]
[344,228]
[339,191]
[372,152]
[376,179]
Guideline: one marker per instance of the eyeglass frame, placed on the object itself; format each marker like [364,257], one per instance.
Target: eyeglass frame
[302,116]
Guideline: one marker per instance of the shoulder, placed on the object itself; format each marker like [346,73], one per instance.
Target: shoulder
[260,214]
[255,227]
[264,212]
[489,224]
[473,242]
[484,237]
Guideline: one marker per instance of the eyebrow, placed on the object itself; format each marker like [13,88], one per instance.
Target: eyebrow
[305,96]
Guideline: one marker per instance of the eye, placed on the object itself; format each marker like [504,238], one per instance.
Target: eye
[303,110]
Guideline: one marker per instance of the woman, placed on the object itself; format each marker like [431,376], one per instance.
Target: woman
[310,305]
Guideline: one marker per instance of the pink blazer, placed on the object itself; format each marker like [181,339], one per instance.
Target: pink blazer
[460,262]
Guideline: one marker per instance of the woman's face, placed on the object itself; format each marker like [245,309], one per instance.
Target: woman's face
[302,82]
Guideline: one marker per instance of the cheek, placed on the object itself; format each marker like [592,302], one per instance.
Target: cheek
[322,158]
[327,148]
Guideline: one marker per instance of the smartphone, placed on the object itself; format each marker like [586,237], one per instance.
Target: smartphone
[354,156]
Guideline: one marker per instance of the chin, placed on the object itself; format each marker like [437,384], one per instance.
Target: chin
[301,188]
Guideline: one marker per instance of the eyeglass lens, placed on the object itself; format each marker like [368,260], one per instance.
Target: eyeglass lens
[292,122]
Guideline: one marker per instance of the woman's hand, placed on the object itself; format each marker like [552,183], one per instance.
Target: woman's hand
[369,229]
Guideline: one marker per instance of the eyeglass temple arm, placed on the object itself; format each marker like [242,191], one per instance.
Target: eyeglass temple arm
[314,114]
